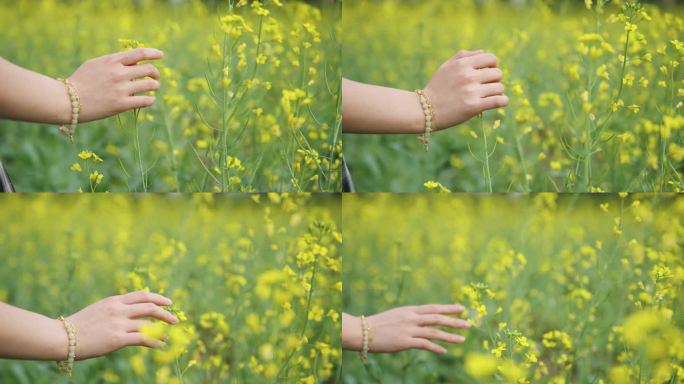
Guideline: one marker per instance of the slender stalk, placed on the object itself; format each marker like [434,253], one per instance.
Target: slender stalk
[485,159]
[136,112]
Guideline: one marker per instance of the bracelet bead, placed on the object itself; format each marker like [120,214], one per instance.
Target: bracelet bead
[75,101]
[429,114]
[366,341]
[67,366]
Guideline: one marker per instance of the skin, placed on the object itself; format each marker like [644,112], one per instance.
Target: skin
[411,327]
[106,86]
[101,328]
[463,87]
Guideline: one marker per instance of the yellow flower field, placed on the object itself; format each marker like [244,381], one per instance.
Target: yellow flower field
[248,98]
[255,280]
[596,95]
[559,288]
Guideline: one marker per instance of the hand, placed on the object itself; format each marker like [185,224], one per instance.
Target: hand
[108,85]
[405,328]
[466,85]
[114,323]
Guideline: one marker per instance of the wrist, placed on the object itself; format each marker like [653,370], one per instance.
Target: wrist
[352,338]
[57,342]
[415,117]
[58,98]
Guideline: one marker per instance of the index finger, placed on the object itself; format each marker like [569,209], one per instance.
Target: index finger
[137,55]
[444,309]
[145,297]
[465,53]
[482,60]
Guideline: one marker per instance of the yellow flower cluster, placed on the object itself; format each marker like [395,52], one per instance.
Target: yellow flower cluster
[596,94]
[251,80]
[558,288]
[257,278]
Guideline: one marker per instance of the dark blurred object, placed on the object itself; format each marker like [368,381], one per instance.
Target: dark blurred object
[5,182]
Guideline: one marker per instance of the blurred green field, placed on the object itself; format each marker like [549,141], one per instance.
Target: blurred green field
[265,95]
[591,108]
[257,276]
[559,288]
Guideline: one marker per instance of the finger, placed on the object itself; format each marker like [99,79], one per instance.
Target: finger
[139,54]
[141,86]
[136,311]
[436,334]
[142,70]
[488,75]
[427,345]
[442,321]
[144,296]
[136,325]
[482,60]
[493,102]
[465,53]
[445,309]
[139,340]
[492,89]
[140,102]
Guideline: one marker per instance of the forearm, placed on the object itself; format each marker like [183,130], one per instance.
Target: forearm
[29,335]
[30,96]
[374,109]
[351,332]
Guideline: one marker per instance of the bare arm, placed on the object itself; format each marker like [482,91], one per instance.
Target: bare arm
[30,96]
[370,108]
[29,335]
[464,86]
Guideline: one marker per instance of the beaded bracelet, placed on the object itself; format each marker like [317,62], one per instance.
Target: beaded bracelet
[67,366]
[75,110]
[367,339]
[429,114]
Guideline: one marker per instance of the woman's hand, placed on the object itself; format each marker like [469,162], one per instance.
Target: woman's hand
[105,85]
[464,86]
[108,85]
[403,328]
[114,323]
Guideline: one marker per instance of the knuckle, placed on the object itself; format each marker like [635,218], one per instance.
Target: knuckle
[424,344]
[116,340]
[120,104]
[470,103]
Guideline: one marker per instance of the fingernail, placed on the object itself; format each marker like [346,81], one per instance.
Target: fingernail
[168,301]
[459,307]
[175,320]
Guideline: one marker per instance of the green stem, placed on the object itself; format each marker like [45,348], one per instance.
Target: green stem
[138,149]
[487,174]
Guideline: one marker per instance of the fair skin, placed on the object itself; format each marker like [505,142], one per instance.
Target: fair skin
[101,328]
[403,328]
[106,86]
[464,86]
